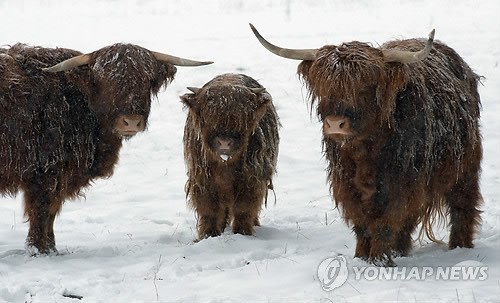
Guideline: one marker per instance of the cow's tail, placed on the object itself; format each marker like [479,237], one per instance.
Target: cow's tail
[270,186]
[434,217]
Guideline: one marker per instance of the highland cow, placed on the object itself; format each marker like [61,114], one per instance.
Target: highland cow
[230,149]
[60,130]
[401,136]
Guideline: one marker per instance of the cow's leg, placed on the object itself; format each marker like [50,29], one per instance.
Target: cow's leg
[224,219]
[211,215]
[211,221]
[463,201]
[211,206]
[41,208]
[243,222]
[37,210]
[51,239]
[390,234]
[362,242]
[381,244]
[212,218]
[403,243]
[403,238]
[246,209]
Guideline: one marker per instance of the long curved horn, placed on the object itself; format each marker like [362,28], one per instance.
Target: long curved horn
[296,54]
[394,55]
[177,60]
[68,64]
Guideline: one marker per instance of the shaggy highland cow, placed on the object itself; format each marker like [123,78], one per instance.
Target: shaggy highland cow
[401,135]
[60,130]
[230,148]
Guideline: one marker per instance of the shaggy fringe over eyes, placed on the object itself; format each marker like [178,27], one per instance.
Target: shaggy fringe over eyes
[340,73]
[136,65]
[229,108]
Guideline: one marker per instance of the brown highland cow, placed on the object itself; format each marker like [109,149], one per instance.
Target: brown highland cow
[401,135]
[231,149]
[63,116]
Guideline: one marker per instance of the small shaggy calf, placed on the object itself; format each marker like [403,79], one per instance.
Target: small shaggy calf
[231,149]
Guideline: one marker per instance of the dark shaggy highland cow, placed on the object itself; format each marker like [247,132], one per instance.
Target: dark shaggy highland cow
[401,135]
[60,130]
[230,148]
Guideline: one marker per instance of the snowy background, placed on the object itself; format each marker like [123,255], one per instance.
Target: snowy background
[131,239]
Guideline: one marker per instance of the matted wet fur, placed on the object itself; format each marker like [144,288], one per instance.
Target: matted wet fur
[401,136]
[417,150]
[230,149]
[57,129]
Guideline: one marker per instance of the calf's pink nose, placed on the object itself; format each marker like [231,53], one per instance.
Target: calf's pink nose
[224,144]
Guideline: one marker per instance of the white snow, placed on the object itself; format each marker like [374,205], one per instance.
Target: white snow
[131,239]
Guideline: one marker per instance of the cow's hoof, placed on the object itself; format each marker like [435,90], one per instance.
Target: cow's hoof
[383,261]
[208,234]
[244,230]
[35,250]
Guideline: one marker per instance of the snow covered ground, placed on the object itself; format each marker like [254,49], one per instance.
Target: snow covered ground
[131,239]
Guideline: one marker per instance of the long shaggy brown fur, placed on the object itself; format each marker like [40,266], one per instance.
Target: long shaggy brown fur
[56,129]
[416,151]
[233,190]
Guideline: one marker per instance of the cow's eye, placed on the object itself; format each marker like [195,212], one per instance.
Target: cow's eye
[349,114]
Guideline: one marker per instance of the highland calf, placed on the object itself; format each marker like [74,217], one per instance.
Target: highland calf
[63,115]
[230,148]
[401,135]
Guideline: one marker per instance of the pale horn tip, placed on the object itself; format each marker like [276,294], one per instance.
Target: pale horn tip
[431,34]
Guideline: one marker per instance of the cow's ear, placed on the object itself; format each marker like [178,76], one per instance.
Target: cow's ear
[83,79]
[264,99]
[190,99]
[262,95]
[164,75]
